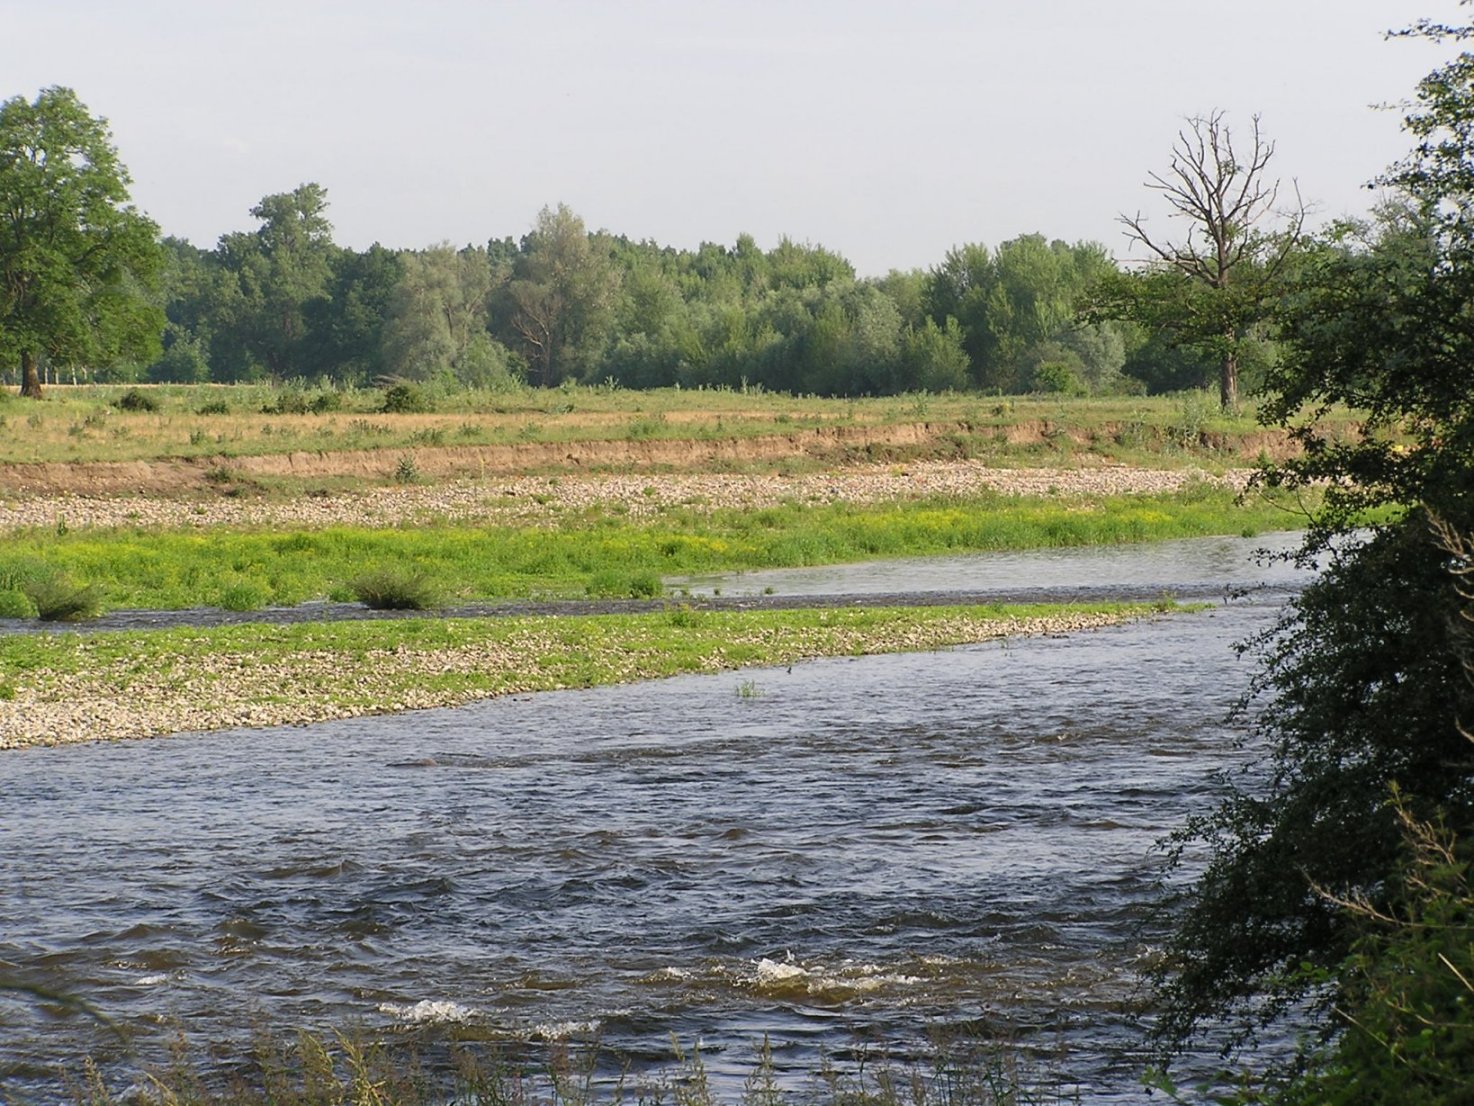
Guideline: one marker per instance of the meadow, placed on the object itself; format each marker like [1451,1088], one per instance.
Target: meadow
[226,423]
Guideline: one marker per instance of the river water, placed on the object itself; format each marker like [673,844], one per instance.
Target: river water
[852,853]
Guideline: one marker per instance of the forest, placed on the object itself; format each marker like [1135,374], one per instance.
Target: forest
[284,302]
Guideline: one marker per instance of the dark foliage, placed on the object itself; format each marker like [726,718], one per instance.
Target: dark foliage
[135,400]
[1365,687]
[1364,690]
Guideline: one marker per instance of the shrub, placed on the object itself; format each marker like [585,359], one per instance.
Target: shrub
[135,400]
[388,589]
[289,401]
[294,401]
[405,399]
[59,599]
[213,407]
[407,471]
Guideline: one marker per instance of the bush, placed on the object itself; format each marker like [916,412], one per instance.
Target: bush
[59,599]
[135,400]
[405,399]
[390,589]
[1058,377]
[213,407]
[289,401]
[295,401]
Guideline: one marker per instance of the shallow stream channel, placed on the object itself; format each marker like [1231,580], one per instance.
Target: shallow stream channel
[848,857]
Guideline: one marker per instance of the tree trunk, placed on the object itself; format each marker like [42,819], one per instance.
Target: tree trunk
[1228,379]
[30,379]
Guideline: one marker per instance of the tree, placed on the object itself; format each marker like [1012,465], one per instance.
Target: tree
[345,328]
[1366,687]
[1017,305]
[1222,273]
[562,294]
[278,272]
[959,289]
[78,264]
[437,318]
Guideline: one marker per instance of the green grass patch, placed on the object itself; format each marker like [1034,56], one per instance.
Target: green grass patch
[602,554]
[205,678]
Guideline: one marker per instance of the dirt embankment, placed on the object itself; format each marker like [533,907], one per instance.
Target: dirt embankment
[847,445]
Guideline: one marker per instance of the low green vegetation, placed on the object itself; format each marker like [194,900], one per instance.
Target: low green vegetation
[172,680]
[37,590]
[396,590]
[599,551]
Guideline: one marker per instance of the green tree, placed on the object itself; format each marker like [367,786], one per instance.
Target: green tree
[271,279]
[562,294]
[345,328]
[959,288]
[1366,686]
[793,264]
[1018,307]
[655,341]
[1214,283]
[933,358]
[1405,1010]
[79,265]
[438,313]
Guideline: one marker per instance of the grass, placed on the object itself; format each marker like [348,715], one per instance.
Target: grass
[390,589]
[600,552]
[312,1069]
[85,423]
[163,681]
[33,589]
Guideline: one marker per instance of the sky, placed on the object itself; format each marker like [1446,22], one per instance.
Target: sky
[886,131]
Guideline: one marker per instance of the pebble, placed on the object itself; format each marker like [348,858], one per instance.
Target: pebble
[533,500]
[204,691]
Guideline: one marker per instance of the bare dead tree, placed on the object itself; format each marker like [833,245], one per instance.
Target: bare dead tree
[1229,204]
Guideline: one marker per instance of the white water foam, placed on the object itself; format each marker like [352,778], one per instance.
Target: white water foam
[558,1031]
[426,1011]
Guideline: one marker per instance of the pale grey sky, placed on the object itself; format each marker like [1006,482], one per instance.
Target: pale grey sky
[887,131]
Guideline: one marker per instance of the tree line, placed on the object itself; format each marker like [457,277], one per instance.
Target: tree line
[564,303]
[91,291]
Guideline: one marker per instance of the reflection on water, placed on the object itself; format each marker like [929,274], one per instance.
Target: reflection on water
[1190,564]
[853,849]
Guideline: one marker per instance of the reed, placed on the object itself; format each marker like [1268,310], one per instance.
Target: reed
[358,1069]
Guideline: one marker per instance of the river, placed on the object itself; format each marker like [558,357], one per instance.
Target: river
[851,853]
